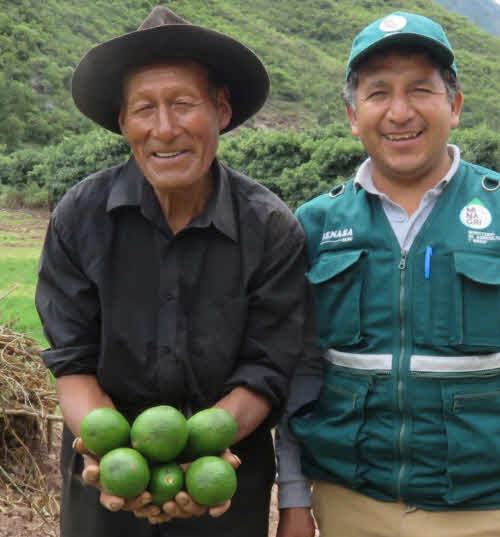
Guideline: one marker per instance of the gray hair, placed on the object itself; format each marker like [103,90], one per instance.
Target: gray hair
[450,79]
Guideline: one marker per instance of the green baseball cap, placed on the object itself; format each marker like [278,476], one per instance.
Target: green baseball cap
[402,28]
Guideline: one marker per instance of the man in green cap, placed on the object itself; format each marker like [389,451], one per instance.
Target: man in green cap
[397,421]
[171,279]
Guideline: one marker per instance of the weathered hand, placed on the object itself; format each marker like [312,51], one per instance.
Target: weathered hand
[141,505]
[185,507]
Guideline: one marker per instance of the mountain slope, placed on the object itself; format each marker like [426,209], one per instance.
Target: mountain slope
[304,43]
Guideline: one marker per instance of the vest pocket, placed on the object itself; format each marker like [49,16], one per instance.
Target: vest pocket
[459,304]
[330,432]
[433,301]
[477,292]
[473,431]
[336,280]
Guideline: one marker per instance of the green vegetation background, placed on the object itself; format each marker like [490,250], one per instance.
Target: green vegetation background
[21,237]
[304,44]
[298,145]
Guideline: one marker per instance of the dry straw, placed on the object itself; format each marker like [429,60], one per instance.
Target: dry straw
[28,408]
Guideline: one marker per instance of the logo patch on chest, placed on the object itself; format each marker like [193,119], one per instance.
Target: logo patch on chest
[337,235]
[475,215]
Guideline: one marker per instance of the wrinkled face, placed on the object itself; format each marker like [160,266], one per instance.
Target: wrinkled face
[171,116]
[403,117]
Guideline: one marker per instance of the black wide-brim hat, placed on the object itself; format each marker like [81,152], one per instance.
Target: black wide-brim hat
[98,79]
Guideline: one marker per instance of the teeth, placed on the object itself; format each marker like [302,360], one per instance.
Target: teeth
[165,155]
[406,136]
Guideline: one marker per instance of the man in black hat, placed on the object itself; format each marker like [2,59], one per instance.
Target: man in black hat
[171,279]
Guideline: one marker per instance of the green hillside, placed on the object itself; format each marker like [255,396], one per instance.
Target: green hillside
[304,44]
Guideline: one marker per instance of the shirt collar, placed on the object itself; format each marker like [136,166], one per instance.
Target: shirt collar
[128,190]
[219,210]
[364,178]
[127,187]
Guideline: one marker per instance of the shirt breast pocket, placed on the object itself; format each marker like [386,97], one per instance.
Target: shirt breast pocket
[477,299]
[337,281]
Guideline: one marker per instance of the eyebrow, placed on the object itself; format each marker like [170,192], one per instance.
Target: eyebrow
[380,83]
[425,80]
[375,84]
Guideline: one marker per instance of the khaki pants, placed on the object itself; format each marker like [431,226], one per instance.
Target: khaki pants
[341,512]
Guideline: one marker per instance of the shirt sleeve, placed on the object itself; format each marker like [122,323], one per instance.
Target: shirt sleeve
[68,306]
[273,339]
[294,489]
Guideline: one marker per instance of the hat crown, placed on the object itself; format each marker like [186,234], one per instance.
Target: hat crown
[161,16]
[398,28]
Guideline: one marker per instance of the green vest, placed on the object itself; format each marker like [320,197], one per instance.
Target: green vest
[410,404]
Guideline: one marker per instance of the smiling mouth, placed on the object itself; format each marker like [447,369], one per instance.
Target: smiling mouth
[402,136]
[168,155]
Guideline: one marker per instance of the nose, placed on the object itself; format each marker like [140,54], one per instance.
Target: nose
[165,125]
[400,109]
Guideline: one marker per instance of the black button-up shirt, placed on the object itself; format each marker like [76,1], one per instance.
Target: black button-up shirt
[173,319]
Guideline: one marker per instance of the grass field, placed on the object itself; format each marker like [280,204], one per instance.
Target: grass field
[21,237]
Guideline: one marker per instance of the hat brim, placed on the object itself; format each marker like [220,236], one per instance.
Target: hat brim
[98,79]
[443,54]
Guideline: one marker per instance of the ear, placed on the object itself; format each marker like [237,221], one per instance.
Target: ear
[353,120]
[121,122]
[224,110]
[456,109]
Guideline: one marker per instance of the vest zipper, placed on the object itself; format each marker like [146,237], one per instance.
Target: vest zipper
[400,385]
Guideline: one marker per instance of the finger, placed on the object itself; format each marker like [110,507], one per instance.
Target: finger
[173,510]
[188,505]
[170,509]
[148,511]
[79,446]
[159,519]
[90,474]
[110,502]
[219,510]
[138,502]
[231,458]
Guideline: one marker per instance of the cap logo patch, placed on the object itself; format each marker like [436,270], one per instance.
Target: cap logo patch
[393,23]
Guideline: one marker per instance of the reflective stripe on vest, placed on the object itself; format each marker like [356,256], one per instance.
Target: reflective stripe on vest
[419,363]
[379,362]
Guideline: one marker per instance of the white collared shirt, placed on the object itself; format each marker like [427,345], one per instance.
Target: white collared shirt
[406,228]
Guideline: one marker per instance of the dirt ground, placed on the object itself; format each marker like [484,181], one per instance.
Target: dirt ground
[17,517]
[27,513]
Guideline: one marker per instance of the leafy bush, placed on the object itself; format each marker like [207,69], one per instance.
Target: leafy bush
[333,160]
[75,158]
[14,168]
[296,166]
[29,196]
[35,197]
[265,153]
[11,197]
[40,177]
[480,146]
